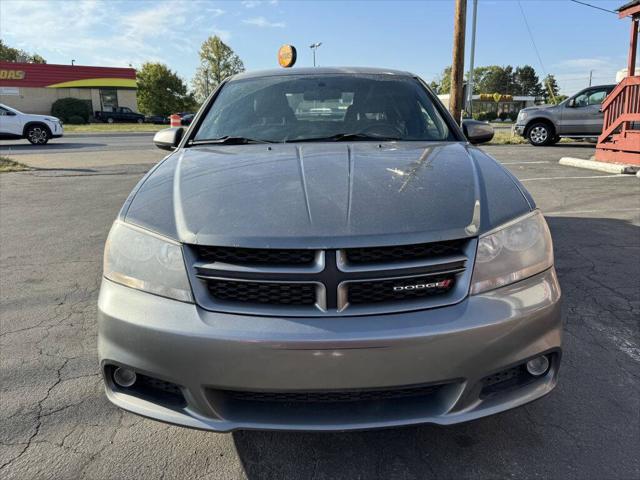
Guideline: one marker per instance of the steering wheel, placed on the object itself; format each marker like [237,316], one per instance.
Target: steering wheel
[383,129]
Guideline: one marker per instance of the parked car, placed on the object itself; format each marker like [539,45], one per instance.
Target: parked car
[156,119]
[576,117]
[365,271]
[187,118]
[38,129]
[120,114]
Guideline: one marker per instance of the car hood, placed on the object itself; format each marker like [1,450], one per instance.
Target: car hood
[538,107]
[34,117]
[324,195]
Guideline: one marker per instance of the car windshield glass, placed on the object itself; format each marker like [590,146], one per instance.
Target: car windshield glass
[292,108]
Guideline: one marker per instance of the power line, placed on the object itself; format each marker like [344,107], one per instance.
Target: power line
[535,48]
[593,6]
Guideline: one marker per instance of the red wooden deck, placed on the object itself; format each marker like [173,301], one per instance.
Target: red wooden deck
[620,139]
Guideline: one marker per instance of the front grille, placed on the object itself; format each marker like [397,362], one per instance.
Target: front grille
[263,293]
[358,281]
[378,291]
[334,396]
[399,253]
[256,256]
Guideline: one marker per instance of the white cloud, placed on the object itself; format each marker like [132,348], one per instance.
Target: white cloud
[109,33]
[263,23]
[251,3]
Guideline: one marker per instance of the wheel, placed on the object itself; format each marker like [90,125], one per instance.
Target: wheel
[141,120]
[555,139]
[110,120]
[38,135]
[540,134]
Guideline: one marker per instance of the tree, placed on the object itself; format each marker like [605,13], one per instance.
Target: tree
[10,54]
[494,79]
[217,62]
[527,82]
[443,83]
[161,91]
[551,89]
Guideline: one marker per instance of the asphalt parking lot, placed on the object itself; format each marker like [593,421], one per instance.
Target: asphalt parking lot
[55,422]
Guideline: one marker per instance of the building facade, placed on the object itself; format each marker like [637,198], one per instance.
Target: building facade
[33,87]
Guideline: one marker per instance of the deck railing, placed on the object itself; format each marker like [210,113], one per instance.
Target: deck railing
[621,107]
[620,138]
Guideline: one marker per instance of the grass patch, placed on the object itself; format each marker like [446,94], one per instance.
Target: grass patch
[113,127]
[506,138]
[8,165]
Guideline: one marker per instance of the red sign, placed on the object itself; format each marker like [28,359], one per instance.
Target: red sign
[64,76]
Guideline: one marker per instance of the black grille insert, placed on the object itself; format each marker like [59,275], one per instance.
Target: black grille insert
[334,396]
[263,293]
[399,253]
[256,256]
[377,291]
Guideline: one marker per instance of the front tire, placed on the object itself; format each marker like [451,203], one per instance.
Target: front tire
[38,135]
[540,134]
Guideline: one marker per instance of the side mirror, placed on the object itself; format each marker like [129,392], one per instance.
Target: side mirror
[571,103]
[477,131]
[169,138]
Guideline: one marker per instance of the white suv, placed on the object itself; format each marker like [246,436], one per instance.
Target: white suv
[38,129]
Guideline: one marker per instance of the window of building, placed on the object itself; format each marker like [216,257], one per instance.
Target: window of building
[108,99]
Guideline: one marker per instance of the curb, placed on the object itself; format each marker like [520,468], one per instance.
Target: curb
[599,166]
[108,134]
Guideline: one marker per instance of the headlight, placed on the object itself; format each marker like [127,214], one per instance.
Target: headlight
[513,252]
[522,115]
[145,261]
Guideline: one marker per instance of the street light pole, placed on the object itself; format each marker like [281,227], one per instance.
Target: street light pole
[590,76]
[471,59]
[314,47]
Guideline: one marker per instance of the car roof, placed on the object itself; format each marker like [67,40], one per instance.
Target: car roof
[280,72]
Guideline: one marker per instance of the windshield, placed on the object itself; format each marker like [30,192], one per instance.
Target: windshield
[293,108]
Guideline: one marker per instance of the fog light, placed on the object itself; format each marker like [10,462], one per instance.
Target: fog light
[538,366]
[124,377]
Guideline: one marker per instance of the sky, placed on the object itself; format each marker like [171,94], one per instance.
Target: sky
[417,36]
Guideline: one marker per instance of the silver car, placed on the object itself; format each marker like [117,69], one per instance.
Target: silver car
[324,249]
[578,116]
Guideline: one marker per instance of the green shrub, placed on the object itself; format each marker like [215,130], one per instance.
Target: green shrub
[491,116]
[67,108]
[483,116]
[75,120]
[504,116]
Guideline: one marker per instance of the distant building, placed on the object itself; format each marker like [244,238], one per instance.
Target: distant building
[33,87]
[510,104]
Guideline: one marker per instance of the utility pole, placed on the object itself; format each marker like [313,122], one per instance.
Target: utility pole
[314,47]
[590,76]
[457,66]
[471,59]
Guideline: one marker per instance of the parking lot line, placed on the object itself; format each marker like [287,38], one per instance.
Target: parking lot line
[576,178]
[526,163]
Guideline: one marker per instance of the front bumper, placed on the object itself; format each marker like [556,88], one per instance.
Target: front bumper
[206,353]
[519,129]
[57,130]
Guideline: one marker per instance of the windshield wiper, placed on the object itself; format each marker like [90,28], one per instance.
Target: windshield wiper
[347,137]
[228,140]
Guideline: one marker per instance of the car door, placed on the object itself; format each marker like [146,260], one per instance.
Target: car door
[10,123]
[581,115]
